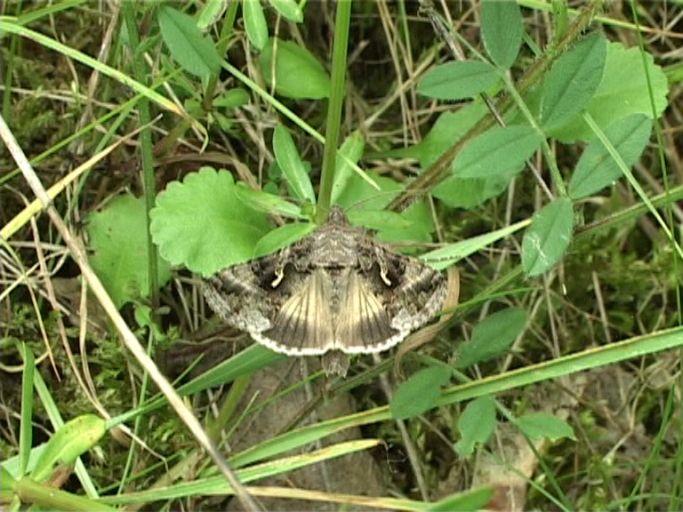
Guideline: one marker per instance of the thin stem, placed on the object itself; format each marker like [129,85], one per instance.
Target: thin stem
[148,181]
[221,48]
[337,95]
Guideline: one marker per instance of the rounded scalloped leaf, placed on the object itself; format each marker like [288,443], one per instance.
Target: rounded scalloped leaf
[200,223]
[118,244]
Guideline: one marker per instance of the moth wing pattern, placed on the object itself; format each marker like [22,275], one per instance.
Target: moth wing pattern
[238,296]
[303,324]
[415,293]
[364,322]
[334,291]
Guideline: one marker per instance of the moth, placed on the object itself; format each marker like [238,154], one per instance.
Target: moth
[332,293]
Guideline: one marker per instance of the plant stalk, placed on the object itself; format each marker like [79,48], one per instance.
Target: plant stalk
[337,95]
[148,180]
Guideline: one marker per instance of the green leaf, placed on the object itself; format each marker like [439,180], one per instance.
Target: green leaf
[475,499]
[118,243]
[232,98]
[288,9]
[291,165]
[195,52]
[255,23]
[267,203]
[572,81]
[622,91]
[419,393]
[457,80]
[476,424]
[349,153]
[7,483]
[359,194]
[491,337]
[446,256]
[378,219]
[282,237]
[468,193]
[448,129]
[548,237]
[298,74]
[501,29]
[71,440]
[211,13]
[596,169]
[539,425]
[26,424]
[499,151]
[200,223]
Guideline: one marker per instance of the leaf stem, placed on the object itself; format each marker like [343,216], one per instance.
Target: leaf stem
[337,95]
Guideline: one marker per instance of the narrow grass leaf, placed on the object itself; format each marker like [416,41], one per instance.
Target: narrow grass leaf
[217,485]
[124,78]
[267,202]
[419,393]
[288,9]
[291,165]
[572,81]
[71,440]
[245,362]
[476,499]
[298,74]
[548,237]
[491,337]
[26,423]
[281,237]
[499,151]
[43,496]
[348,154]
[623,350]
[623,91]
[476,424]
[446,256]
[195,52]
[457,80]
[540,425]
[596,169]
[119,251]
[304,436]
[200,223]
[501,29]
[255,23]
